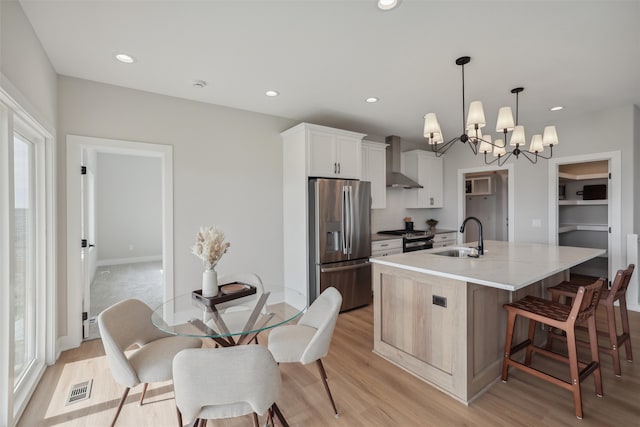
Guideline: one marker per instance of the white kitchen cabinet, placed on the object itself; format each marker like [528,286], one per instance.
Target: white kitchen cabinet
[426,169]
[386,247]
[333,153]
[441,240]
[374,170]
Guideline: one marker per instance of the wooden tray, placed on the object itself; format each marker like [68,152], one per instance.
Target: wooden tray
[223,297]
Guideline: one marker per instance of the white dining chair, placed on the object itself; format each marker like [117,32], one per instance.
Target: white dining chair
[227,382]
[309,339]
[127,324]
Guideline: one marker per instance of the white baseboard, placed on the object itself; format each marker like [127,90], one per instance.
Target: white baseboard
[64,343]
[132,260]
[633,307]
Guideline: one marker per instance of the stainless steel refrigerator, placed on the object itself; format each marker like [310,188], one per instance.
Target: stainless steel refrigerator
[340,239]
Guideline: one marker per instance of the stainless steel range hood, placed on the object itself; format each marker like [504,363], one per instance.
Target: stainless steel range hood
[395,178]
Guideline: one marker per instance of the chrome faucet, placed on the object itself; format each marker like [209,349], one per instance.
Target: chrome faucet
[480,238]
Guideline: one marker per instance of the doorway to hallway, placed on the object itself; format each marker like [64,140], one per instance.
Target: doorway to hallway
[487,193]
[123,216]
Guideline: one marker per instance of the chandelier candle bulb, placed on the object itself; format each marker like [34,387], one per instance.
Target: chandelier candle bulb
[437,139]
[518,137]
[485,145]
[550,136]
[505,121]
[536,144]
[431,126]
[475,118]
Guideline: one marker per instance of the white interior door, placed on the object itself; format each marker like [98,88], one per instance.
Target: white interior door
[88,252]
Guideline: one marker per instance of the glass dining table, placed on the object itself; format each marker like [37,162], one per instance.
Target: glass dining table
[231,318]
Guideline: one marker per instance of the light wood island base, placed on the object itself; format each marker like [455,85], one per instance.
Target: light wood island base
[450,333]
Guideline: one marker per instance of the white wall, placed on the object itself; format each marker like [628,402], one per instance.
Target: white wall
[27,73]
[636,176]
[392,217]
[128,208]
[227,171]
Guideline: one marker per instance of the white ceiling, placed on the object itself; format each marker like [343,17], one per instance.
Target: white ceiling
[326,57]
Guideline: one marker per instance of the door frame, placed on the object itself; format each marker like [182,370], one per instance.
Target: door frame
[75,145]
[614,196]
[510,194]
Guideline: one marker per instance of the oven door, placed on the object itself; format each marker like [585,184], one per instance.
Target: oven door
[411,245]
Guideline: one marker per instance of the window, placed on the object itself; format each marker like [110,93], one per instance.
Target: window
[27,256]
[24,271]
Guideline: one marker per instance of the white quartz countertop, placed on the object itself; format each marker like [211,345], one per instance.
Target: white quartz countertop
[504,265]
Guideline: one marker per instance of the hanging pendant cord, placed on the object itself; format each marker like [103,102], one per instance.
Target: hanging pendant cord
[517,106]
[463,111]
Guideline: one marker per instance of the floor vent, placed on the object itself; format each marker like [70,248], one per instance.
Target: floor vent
[79,392]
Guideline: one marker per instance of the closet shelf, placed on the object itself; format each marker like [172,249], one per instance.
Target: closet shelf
[580,177]
[583,202]
[565,228]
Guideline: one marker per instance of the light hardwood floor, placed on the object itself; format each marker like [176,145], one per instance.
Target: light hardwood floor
[368,390]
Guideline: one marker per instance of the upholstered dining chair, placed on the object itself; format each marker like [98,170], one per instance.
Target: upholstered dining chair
[226,382]
[308,341]
[126,324]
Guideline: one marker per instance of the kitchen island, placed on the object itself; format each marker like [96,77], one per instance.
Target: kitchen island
[441,317]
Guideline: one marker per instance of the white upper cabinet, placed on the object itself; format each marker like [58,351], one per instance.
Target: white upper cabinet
[426,169]
[374,170]
[333,153]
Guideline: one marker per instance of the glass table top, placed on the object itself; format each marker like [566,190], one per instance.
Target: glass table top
[230,322]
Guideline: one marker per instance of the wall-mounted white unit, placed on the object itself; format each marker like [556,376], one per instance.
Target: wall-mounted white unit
[478,186]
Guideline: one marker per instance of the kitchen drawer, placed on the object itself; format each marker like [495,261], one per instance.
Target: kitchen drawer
[444,239]
[386,247]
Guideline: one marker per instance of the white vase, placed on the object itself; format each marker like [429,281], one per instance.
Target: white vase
[209,283]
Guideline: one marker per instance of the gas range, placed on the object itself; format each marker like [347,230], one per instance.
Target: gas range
[412,240]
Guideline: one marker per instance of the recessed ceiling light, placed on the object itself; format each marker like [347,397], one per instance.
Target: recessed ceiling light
[558,108]
[372,100]
[123,57]
[272,93]
[388,4]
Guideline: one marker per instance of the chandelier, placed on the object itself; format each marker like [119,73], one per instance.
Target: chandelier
[472,132]
[505,124]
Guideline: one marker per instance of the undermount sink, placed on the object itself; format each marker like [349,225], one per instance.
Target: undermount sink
[457,252]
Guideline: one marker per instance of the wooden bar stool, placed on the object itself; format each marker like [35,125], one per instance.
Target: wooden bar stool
[608,297]
[563,317]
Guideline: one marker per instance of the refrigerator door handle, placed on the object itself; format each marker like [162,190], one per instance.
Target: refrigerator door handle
[351,220]
[344,268]
[343,220]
